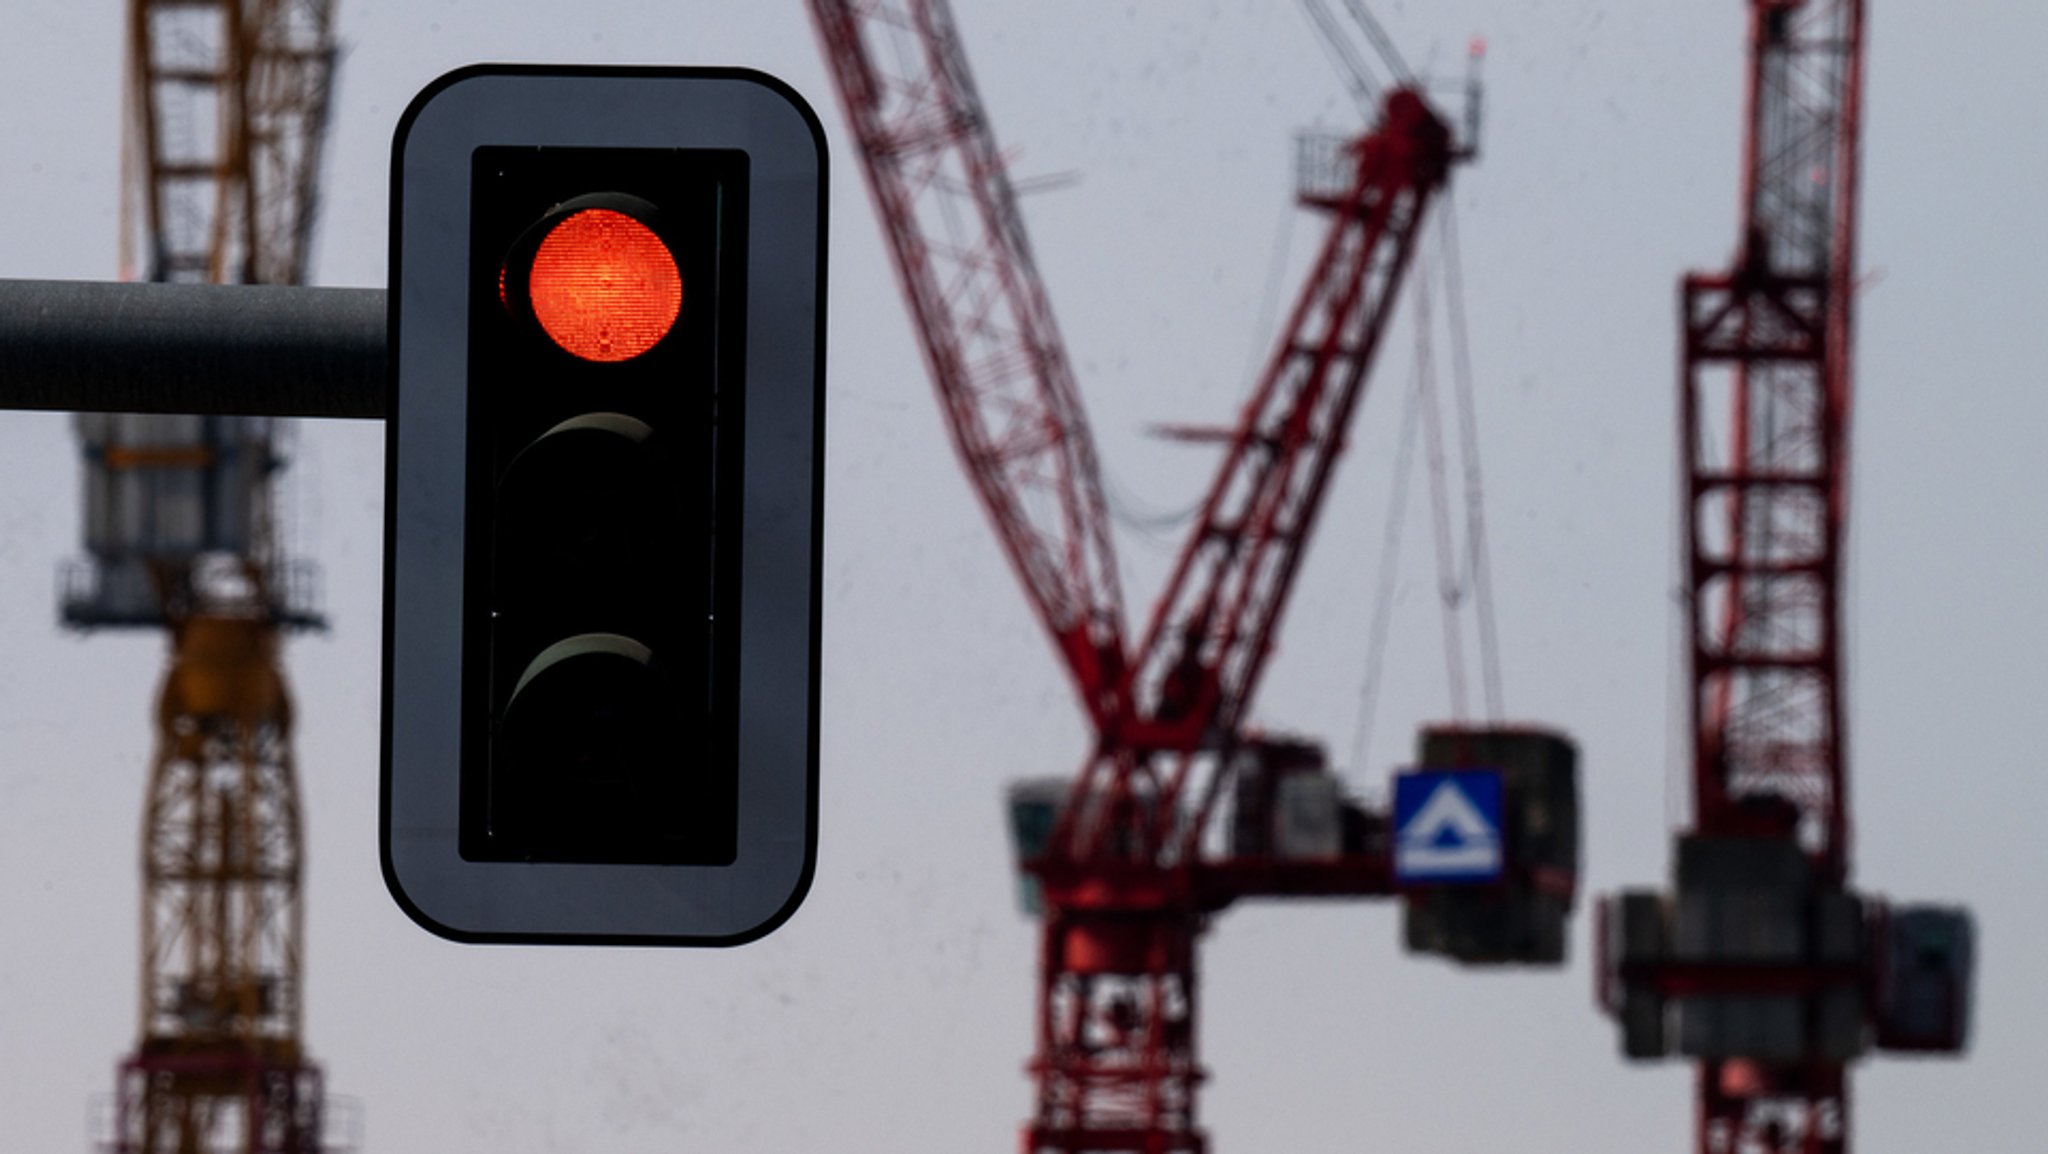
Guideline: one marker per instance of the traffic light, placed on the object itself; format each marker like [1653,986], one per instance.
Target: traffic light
[603,522]
[606,424]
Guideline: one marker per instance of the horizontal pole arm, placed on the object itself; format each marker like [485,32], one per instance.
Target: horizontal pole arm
[258,350]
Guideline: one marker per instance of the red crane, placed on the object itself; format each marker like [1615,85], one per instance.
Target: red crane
[1765,965]
[1129,870]
[1132,863]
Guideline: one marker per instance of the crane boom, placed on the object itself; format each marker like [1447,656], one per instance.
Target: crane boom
[1120,869]
[1127,890]
[1213,628]
[988,334]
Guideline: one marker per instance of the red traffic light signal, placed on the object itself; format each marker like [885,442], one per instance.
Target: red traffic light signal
[598,278]
[604,423]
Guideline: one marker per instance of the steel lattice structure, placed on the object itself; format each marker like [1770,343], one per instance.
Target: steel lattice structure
[227,111]
[1127,888]
[1766,404]
[988,333]
[1764,964]
[221,1065]
[1132,873]
[1767,389]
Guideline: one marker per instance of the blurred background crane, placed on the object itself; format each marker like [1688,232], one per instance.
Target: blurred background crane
[1182,809]
[226,111]
[1763,962]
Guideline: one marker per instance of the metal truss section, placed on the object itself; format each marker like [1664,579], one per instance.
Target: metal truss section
[1210,632]
[1766,407]
[225,1104]
[987,329]
[1116,1066]
[230,108]
[220,1066]
[221,854]
[1129,868]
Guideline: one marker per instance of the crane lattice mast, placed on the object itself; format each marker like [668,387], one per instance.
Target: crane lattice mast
[1765,965]
[1767,389]
[227,111]
[1124,865]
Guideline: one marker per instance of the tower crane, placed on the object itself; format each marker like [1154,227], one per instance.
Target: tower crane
[226,111]
[1763,963]
[1133,859]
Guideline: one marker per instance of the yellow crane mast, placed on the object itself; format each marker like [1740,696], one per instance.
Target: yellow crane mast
[227,104]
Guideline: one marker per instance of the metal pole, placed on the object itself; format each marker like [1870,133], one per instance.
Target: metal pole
[262,350]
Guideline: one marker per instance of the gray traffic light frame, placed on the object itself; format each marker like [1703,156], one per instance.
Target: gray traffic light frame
[780,528]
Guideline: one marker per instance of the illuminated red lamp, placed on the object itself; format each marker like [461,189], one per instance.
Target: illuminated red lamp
[604,286]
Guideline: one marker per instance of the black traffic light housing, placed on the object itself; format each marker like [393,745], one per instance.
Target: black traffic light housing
[602,608]
[603,522]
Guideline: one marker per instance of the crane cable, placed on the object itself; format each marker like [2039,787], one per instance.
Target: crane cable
[1381,42]
[1356,76]
[1390,564]
[1152,524]
[1420,414]
[1351,64]
[1477,558]
[1451,588]
[1473,579]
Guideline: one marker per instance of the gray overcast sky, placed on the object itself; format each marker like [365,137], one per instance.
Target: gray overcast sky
[893,1012]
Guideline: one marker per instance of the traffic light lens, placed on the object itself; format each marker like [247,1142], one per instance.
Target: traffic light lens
[604,286]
